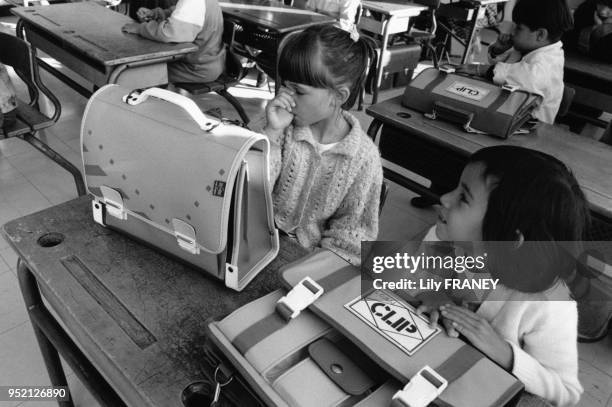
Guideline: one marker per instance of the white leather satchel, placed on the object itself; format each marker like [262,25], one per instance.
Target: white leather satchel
[194,187]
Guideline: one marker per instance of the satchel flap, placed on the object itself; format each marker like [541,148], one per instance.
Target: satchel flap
[340,368]
[388,330]
[163,164]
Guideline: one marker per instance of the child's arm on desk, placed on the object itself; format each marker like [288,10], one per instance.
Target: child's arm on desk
[183,24]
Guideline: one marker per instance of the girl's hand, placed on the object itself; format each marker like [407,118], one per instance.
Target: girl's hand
[431,301]
[480,333]
[503,44]
[279,110]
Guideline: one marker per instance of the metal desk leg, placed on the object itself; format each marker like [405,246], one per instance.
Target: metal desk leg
[33,301]
[373,129]
[468,44]
[379,71]
[53,340]
[60,160]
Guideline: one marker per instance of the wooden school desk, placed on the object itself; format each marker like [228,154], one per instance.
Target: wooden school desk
[87,38]
[469,10]
[392,17]
[592,81]
[128,320]
[438,151]
[262,25]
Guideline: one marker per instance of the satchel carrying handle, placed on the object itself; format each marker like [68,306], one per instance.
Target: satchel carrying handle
[454,115]
[136,97]
[450,113]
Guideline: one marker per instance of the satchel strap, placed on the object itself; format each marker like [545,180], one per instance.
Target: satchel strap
[267,326]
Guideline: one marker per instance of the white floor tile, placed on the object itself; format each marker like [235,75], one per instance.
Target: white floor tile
[12,308]
[9,256]
[597,386]
[598,354]
[13,146]
[22,363]
[8,212]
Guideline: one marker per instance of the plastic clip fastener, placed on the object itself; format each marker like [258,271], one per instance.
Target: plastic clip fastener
[422,389]
[299,298]
[510,88]
[113,202]
[447,68]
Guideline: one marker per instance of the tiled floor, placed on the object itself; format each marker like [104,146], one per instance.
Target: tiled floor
[29,182]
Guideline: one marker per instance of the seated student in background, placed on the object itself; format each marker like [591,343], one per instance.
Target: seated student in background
[528,325]
[8,100]
[592,33]
[345,11]
[326,171]
[136,5]
[197,21]
[532,56]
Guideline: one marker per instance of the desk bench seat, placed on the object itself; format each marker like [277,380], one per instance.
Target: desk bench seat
[28,119]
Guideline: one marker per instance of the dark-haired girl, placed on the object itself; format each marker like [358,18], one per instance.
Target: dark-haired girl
[327,172]
[531,203]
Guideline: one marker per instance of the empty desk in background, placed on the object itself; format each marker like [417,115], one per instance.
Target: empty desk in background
[132,319]
[262,25]
[386,18]
[464,10]
[87,39]
[592,80]
[437,151]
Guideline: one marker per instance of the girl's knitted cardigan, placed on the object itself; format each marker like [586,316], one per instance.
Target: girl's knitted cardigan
[331,199]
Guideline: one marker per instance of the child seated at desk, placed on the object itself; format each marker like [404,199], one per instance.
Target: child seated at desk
[528,325]
[8,100]
[532,56]
[345,11]
[197,21]
[592,33]
[326,171]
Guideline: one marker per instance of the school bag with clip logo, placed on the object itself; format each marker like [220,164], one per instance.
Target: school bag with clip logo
[192,186]
[478,105]
[322,343]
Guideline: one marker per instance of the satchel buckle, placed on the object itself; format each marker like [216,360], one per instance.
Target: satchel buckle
[113,202]
[510,88]
[299,298]
[185,236]
[423,388]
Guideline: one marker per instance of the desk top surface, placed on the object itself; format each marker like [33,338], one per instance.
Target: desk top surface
[474,2]
[397,8]
[273,15]
[95,31]
[590,160]
[153,347]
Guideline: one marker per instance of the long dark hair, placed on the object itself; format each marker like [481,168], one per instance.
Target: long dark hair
[537,195]
[325,56]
